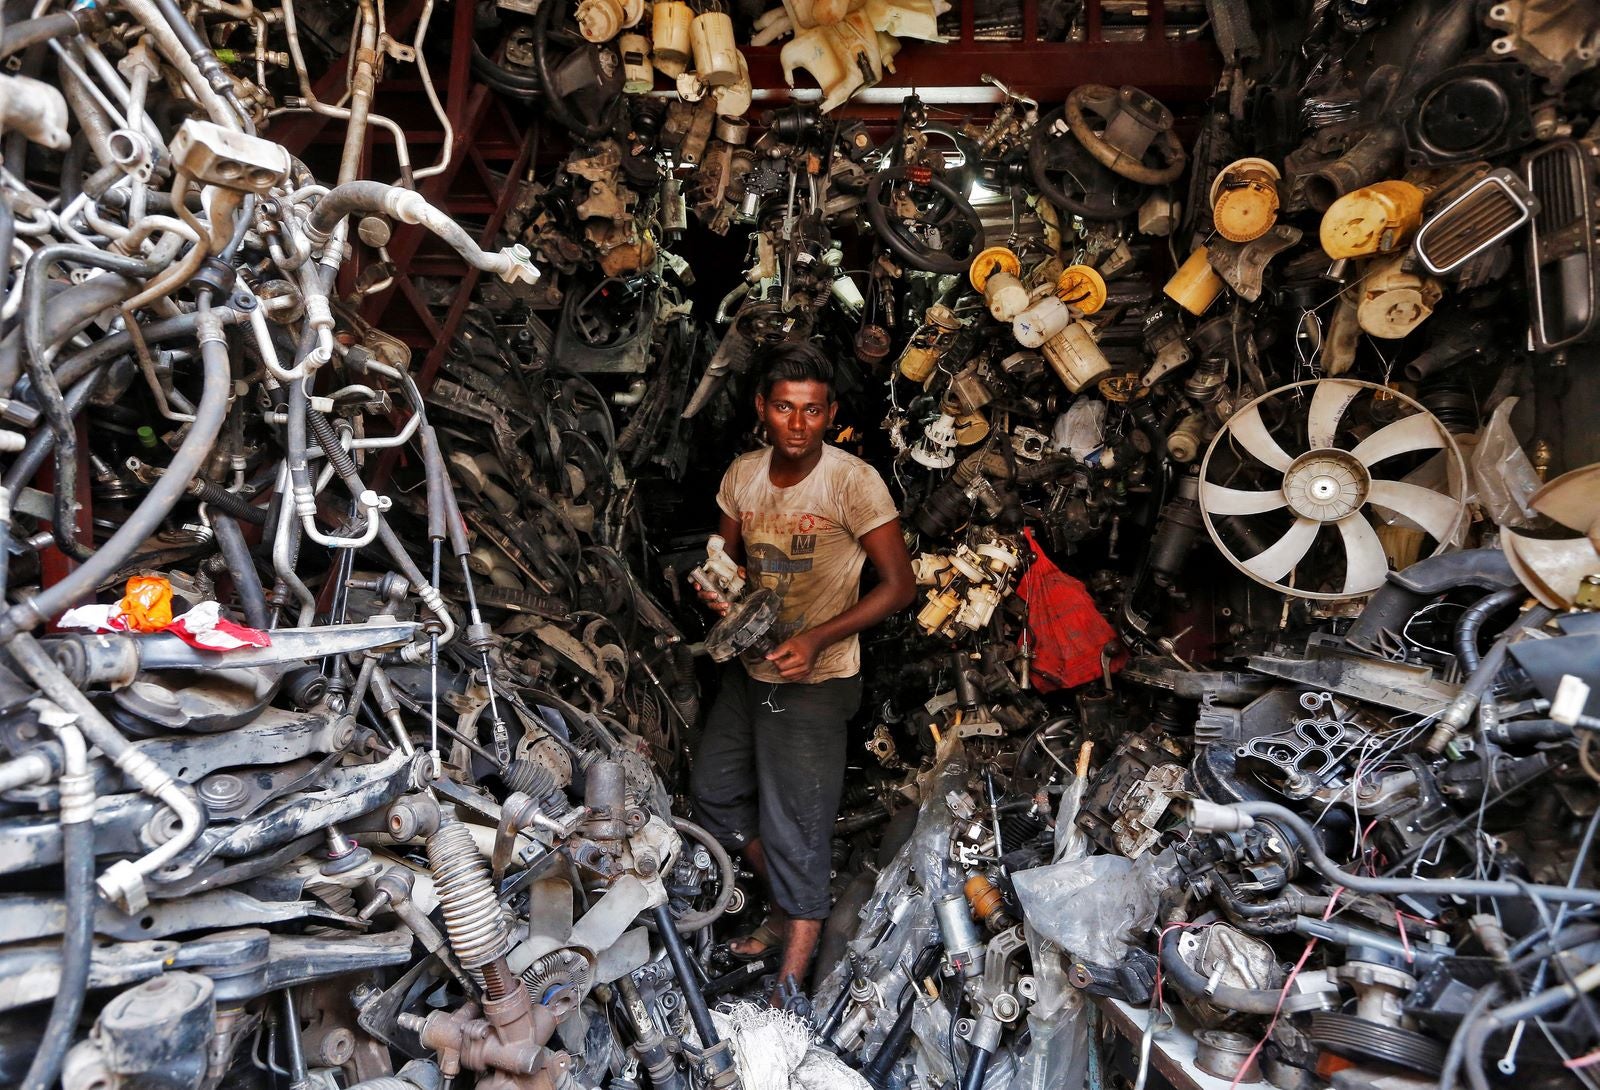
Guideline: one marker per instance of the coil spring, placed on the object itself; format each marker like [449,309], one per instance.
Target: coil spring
[473,919]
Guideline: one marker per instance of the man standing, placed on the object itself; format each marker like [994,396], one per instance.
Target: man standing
[803,516]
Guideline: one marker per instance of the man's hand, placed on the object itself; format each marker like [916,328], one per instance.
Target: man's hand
[796,656]
[717,605]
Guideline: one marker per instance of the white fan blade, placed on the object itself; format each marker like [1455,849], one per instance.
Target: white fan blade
[1274,563]
[1328,404]
[1251,432]
[1218,500]
[1572,499]
[1417,432]
[1551,570]
[1365,565]
[1434,512]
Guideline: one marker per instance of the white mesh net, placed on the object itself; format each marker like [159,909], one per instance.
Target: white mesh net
[773,1051]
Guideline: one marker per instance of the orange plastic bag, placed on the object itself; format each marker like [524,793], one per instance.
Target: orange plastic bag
[147,604]
[1066,630]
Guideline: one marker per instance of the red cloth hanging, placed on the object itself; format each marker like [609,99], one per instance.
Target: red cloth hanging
[1065,629]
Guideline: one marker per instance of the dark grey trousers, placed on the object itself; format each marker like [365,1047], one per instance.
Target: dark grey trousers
[771,765]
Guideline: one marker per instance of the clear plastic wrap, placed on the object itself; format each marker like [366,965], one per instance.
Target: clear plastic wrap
[1093,907]
[1502,475]
[897,921]
[1057,1042]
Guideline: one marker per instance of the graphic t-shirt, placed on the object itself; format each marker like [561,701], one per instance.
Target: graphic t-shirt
[804,542]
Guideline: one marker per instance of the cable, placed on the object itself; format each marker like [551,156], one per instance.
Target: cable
[77,941]
[169,488]
[242,566]
[1472,620]
[1204,817]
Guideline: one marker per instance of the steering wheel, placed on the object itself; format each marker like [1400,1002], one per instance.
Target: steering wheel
[583,87]
[1071,179]
[955,217]
[962,175]
[1134,126]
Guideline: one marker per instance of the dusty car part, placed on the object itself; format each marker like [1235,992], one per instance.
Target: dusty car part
[1196,285]
[903,215]
[1071,178]
[1244,199]
[1488,211]
[1553,570]
[1375,219]
[1327,485]
[1135,124]
[1472,111]
[1554,41]
[1560,247]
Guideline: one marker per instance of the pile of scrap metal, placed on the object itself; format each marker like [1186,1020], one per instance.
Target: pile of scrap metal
[1338,831]
[1326,805]
[353,753]
[346,761]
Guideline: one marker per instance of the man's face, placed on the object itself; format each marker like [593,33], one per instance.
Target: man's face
[797,416]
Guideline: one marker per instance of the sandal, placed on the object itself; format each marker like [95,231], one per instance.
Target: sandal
[768,935]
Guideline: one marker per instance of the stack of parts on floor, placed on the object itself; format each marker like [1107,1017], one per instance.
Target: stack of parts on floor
[1242,728]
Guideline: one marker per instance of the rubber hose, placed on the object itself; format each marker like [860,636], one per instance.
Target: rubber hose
[977,1068]
[345,199]
[157,503]
[1483,675]
[933,263]
[1451,1071]
[1189,981]
[20,36]
[1534,1006]
[8,237]
[71,368]
[1438,887]
[1471,622]
[242,566]
[199,50]
[688,983]
[41,443]
[65,312]
[438,479]
[213,494]
[694,921]
[894,1046]
[1529,731]
[77,949]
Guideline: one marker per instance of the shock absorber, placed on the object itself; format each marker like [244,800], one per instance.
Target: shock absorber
[478,931]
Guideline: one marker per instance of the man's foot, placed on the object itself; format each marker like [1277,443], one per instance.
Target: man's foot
[759,942]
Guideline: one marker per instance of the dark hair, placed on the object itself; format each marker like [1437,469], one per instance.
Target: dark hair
[793,361]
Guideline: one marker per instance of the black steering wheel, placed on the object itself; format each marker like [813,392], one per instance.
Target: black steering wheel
[942,210]
[1071,179]
[583,86]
